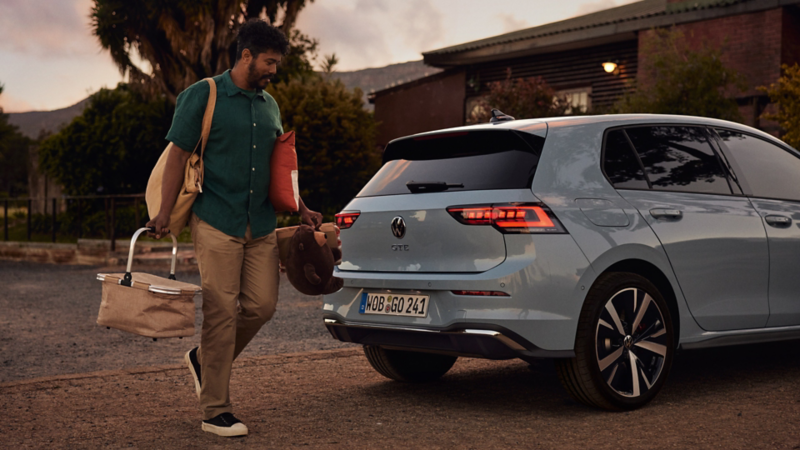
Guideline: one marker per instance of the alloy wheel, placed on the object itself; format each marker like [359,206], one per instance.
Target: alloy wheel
[631,342]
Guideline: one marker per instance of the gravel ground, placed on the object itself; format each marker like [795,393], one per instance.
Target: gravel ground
[736,398]
[745,397]
[48,324]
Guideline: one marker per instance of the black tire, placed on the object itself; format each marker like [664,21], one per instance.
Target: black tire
[408,367]
[623,352]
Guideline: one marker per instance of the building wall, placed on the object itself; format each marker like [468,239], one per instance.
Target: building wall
[753,44]
[427,104]
[790,41]
[566,70]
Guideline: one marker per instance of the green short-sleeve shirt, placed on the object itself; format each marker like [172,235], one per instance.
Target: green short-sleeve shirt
[243,132]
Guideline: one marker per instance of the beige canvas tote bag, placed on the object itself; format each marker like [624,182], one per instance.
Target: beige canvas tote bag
[193,174]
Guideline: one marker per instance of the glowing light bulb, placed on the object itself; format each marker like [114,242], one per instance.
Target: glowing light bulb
[609,66]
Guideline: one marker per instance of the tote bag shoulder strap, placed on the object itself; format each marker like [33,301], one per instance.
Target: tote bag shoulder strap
[208,115]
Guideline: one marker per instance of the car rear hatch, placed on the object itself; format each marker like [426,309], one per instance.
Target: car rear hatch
[414,214]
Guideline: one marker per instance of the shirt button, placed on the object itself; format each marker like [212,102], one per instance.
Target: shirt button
[254,146]
[251,192]
[254,124]
[254,169]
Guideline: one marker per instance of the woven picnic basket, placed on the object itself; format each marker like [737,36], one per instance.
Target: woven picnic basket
[146,304]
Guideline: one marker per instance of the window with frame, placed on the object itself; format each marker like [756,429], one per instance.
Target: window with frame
[579,100]
[770,171]
[679,158]
[620,163]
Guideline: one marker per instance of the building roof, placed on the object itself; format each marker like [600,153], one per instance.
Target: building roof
[607,25]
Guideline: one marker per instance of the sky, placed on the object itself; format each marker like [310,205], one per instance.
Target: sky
[50,60]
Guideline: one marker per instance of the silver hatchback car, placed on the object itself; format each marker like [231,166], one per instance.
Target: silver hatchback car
[605,243]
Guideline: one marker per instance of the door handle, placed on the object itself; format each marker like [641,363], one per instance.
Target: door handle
[660,213]
[778,221]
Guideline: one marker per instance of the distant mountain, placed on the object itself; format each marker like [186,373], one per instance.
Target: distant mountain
[34,122]
[369,80]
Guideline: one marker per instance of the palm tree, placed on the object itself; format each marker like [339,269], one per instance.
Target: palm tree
[182,41]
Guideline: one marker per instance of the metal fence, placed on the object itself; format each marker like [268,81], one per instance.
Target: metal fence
[74,204]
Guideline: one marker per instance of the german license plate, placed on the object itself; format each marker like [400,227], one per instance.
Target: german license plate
[394,305]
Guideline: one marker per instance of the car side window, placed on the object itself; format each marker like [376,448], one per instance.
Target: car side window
[620,163]
[677,158]
[770,171]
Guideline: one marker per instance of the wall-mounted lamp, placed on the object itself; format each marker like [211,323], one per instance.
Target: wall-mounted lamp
[609,66]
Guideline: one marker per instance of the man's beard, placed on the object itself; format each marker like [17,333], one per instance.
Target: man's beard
[254,79]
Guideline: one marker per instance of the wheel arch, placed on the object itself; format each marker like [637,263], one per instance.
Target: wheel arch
[659,279]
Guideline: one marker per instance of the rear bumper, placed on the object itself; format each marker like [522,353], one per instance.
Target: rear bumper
[477,340]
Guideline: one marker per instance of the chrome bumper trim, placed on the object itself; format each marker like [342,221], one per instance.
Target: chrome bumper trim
[505,340]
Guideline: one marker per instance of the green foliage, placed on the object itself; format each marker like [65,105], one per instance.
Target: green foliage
[335,139]
[680,80]
[112,147]
[329,64]
[522,98]
[298,62]
[786,94]
[184,41]
[91,221]
[13,158]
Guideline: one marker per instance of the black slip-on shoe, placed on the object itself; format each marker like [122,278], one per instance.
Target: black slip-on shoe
[194,368]
[225,425]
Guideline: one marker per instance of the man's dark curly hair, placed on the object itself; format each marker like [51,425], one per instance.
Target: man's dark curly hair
[258,36]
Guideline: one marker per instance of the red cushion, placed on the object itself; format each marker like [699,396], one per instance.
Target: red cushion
[283,190]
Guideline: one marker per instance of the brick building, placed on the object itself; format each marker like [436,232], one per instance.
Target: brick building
[757,36]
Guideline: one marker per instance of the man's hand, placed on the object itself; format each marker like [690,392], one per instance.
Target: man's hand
[160,222]
[308,217]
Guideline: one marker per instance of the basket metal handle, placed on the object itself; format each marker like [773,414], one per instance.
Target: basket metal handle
[127,279]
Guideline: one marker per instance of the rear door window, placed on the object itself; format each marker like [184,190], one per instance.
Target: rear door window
[620,163]
[475,160]
[770,171]
[677,158]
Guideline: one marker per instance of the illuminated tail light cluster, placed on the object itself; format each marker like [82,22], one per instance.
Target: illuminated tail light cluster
[510,218]
[345,220]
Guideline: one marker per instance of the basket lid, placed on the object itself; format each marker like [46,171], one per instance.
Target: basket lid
[152,283]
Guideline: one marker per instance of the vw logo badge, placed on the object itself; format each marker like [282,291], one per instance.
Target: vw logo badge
[398,227]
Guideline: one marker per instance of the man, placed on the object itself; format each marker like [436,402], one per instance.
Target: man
[233,223]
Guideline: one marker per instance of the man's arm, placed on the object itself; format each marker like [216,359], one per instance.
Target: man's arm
[309,217]
[170,187]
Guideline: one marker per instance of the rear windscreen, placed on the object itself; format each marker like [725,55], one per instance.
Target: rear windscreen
[466,161]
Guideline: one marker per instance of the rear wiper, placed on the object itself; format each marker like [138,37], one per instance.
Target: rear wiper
[417,187]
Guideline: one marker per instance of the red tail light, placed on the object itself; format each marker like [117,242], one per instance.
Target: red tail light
[524,218]
[345,220]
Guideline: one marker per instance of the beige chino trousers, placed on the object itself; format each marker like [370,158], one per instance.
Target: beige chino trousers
[239,277]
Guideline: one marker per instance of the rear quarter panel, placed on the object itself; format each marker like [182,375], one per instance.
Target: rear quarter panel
[569,173]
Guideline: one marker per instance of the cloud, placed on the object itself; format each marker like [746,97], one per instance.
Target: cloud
[421,24]
[372,33]
[9,104]
[52,28]
[599,5]
[342,32]
[511,23]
